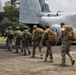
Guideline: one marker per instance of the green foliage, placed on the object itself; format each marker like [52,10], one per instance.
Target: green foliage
[13,24]
[13,2]
[10,21]
[10,8]
[2,39]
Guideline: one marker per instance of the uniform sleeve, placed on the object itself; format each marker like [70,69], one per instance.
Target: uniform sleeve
[61,33]
[33,35]
[5,34]
[43,36]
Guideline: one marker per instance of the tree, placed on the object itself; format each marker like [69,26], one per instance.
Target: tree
[10,21]
[13,2]
[10,8]
[7,3]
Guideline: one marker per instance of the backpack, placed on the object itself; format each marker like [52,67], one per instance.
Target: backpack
[38,34]
[18,34]
[52,36]
[69,32]
[26,35]
[10,34]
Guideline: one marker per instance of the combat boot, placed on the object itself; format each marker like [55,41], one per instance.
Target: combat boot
[63,63]
[32,56]
[16,51]
[72,62]
[45,59]
[29,52]
[41,56]
[10,50]
[22,50]
[24,54]
[51,61]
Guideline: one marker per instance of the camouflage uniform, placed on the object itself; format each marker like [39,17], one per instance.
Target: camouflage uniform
[26,36]
[35,44]
[18,42]
[9,34]
[49,46]
[65,47]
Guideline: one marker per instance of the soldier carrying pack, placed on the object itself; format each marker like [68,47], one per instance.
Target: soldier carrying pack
[9,33]
[18,33]
[26,35]
[38,34]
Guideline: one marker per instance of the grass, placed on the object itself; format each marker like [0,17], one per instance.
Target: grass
[2,39]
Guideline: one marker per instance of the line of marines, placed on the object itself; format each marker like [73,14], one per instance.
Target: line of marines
[22,41]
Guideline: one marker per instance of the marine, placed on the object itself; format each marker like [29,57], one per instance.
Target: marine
[10,35]
[65,46]
[18,39]
[26,36]
[36,43]
[48,44]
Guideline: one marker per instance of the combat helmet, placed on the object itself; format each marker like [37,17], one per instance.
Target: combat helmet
[17,28]
[35,26]
[9,27]
[24,27]
[46,25]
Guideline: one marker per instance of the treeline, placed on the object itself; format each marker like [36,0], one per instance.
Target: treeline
[10,21]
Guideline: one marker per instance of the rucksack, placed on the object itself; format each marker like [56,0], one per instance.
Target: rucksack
[52,36]
[38,34]
[69,32]
[18,34]
[26,35]
[10,34]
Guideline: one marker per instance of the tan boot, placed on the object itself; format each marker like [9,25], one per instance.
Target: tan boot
[45,59]
[63,64]
[51,60]
[32,56]
[41,56]
[72,62]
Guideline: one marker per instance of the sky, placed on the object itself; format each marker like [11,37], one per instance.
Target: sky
[68,6]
